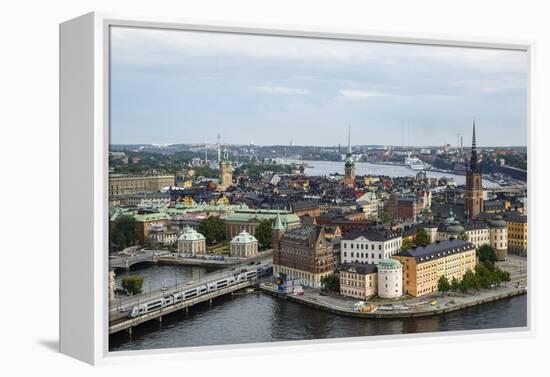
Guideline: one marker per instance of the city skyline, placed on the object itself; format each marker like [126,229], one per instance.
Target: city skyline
[183,87]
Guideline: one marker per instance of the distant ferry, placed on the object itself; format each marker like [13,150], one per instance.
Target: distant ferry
[414,163]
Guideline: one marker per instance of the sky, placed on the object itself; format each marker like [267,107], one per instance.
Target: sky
[172,87]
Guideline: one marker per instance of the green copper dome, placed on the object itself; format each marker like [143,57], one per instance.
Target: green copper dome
[389,264]
[244,237]
[455,228]
[498,222]
[190,234]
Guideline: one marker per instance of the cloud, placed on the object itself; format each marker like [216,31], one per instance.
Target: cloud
[159,47]
[489,85]
[282,90]
[362,94]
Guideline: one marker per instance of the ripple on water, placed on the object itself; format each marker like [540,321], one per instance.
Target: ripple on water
[257,317]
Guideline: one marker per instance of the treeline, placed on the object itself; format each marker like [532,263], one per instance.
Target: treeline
[486,275]
[213,229]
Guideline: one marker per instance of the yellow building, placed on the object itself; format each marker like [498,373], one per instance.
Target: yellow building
[133,184]
[223,201]
[423,266]
[226,171]
[369,180]
[517,232]
[188,201]
[358,280]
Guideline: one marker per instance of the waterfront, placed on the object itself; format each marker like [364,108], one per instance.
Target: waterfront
[256,317]
[322,168]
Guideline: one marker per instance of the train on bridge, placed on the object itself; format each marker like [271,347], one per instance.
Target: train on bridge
[190,293]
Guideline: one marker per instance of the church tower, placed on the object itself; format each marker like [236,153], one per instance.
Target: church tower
[473,201]
[226,171]
[349,168]
[277,233]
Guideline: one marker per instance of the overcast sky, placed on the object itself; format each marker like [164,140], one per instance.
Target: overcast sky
[186,87]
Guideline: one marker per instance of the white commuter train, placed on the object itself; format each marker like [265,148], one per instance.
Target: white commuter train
[190,293]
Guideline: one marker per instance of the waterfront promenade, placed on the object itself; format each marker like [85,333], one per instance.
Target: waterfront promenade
[449,303]
[409,307]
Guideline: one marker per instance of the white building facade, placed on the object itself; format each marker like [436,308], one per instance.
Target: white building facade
[499,237]
[243,245]
[369,246]
[390,278]
[191,242]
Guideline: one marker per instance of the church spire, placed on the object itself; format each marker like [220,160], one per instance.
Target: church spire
[278,222]
[473,157]
[349,140]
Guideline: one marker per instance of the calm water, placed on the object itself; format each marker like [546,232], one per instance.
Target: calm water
[155,276]
[257,317]
[363,168]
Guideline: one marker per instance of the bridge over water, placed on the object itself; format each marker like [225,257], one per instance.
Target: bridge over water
[119,309]
[127,323]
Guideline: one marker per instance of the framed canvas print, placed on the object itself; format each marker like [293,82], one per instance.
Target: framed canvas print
[225,186]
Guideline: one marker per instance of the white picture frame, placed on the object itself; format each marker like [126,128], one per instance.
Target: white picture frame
[84,122]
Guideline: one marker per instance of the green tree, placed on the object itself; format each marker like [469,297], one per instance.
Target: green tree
[264,233]
[213,229]
[123,231]
[484,276]
[443,285]
[406,244]
[119,239]
[385,217]
[133,284]
[463,236]
[206,172]
[422,237]
[486,255]
[468,280]
[463,287]
[455,285]
[504,276]
[331,283]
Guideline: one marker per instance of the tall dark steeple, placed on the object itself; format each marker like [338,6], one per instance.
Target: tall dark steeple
[473,200]
[349,167]
[473,157]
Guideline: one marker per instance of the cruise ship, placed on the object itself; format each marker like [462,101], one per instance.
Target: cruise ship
[414,163]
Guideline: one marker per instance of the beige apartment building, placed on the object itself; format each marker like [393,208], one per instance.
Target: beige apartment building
[424,265]
[358,280]
[517,232]
[133,184]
